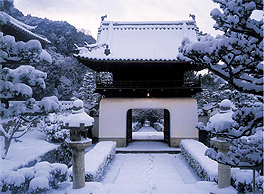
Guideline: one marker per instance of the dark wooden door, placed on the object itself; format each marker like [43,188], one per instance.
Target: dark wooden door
[166,126]
[129,126]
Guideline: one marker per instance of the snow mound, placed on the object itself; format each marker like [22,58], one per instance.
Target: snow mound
[97,159]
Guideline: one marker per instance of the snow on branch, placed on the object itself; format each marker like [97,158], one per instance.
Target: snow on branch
[14,52]
[236,56]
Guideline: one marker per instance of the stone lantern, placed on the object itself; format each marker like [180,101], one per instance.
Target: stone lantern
[78,122]
[224,171]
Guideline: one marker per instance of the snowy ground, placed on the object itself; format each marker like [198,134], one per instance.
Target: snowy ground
[154,173]
[127,173]
[31,147]
[147,133]
[148,173]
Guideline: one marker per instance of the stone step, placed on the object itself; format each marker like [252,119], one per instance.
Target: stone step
[174,151]
[154,140]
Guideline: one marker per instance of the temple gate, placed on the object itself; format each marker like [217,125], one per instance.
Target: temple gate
[146,74]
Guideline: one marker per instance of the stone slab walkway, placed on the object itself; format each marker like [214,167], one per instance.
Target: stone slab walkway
[153,173]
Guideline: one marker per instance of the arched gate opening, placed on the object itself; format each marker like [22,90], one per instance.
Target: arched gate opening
[164,129]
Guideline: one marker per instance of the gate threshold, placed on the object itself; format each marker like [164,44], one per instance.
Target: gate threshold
[148,147]
[148,151]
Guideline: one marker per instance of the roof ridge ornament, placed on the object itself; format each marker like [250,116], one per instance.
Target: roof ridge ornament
[103,17]
[192,16]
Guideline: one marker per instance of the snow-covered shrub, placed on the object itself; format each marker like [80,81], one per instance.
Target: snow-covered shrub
[158,126]
[45,166]
[39,184]
[59,173]
[259,183]
[52,126]
[36,179]
[28,173]
[15,182]
[136,126]
[193,151]
[242,180]
[97,159]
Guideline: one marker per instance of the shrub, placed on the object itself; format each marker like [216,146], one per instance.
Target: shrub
[52,126]
[39,184]
[59,174]
[36,179]
[15,182]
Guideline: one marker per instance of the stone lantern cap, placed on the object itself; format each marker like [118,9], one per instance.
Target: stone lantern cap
[225,106]
[78,116]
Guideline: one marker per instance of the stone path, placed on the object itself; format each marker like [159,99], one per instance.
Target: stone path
[148,173]
[147,133]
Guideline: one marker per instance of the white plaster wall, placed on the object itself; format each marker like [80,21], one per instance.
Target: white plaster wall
[113,111]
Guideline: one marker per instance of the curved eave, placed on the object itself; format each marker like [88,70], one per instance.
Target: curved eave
[107,64]
[23,34]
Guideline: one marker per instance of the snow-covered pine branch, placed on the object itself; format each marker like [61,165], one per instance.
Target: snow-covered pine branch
[18,52]
[243,129]
[236,56]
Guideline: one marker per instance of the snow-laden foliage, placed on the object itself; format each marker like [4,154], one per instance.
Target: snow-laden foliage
[86,92]
[196,155]
[236,56]
[18,82]
[193,152]
[244,130]
[13,52]
[39,184]
[15,182]
[97,159]
[52,126]
[152,115]
[158,126]
[36,179]
[136,126]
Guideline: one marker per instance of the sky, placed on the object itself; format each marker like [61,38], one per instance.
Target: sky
[87,14]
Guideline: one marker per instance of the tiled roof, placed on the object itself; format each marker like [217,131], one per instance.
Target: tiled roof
[21,28]
[139,40]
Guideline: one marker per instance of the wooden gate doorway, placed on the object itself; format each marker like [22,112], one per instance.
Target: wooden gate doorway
[164,124]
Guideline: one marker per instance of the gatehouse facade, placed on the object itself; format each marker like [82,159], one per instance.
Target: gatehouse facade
[146,75]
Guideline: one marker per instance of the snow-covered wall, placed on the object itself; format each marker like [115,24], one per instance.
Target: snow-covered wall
[113,117]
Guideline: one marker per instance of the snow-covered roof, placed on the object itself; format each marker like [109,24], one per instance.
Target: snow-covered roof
[20,28]
[139,40]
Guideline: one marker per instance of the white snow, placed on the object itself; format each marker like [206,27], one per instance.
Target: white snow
[97,159]
[140,40]
[147,133]
[220,122]
[75,120]
[33,146]
[39,183]
[28,173]
[78,116]
[197,150]
[50,104]
[14,178]
[22,89]
[43,173]
[154,173]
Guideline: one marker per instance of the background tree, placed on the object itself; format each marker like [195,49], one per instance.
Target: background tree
[152,115]
[18,84]
[86,92]
[65,73]
[237,57]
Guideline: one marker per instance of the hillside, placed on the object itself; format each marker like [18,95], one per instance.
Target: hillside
[65,74]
